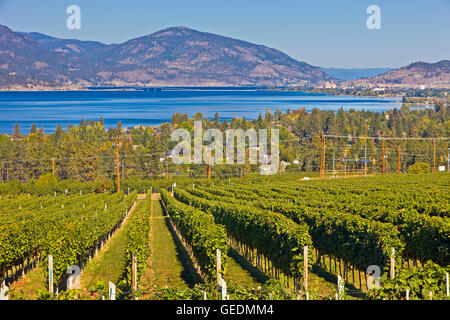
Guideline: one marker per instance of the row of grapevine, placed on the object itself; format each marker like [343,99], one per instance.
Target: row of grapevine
[424,237]
[137,239]
[23,236]
[200,231]
[74,242]
[356,240]
[272,234]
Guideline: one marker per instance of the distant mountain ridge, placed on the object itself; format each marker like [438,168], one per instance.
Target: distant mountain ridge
[69,46]
[176,56]
[417,74]
[179,56]
[354,73]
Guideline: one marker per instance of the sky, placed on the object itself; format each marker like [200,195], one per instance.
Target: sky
[326,33]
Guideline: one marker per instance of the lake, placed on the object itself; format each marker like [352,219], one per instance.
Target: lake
[151,107]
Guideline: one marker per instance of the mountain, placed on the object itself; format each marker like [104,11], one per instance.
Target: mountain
[24,62]
[435,75]
[176,56]
[354,73]
[68,46]
[182,56]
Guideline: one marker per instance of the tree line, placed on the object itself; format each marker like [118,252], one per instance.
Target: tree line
[87,152]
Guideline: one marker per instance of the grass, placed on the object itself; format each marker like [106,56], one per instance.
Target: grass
[240,271]
[169,263]
[109,264]
[25,288]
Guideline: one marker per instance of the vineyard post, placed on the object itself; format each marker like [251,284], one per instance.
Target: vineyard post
[53,166]
[392,268]
[407,294]
[134,273]
[204,295]
[305,268]
[218,265]
[446,281]
[112,291]
[340,287]
[50,274]
[223,286]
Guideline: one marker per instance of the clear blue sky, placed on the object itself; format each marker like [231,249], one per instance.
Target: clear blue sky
[328,33]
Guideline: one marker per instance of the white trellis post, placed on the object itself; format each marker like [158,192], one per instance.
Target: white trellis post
[50,274]
[112,291]
[305,268]
[446,281]
[223,286]
[340,284]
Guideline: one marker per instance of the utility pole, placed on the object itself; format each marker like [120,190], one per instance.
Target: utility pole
[117,164]
[365,159]
[398,171]
[209,168]
[448,160]
[333,165]
[384,158]
[434,156]
[322,157]
[167,171]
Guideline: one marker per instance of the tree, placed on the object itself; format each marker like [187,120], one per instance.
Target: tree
[33,128]
[17,134]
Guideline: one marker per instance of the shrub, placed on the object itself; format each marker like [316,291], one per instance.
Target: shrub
[419,167]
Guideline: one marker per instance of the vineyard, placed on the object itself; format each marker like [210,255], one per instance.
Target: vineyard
[278,237]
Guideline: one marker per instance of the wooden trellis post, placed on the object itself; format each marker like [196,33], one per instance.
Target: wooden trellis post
[392,268]
[218,265]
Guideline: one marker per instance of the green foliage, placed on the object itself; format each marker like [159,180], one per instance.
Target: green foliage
[137,242]
[419,281]
[272,234]
[200,231]
[419,167]
[271,290]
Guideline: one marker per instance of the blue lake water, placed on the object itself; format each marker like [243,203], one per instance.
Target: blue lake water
[47,109]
